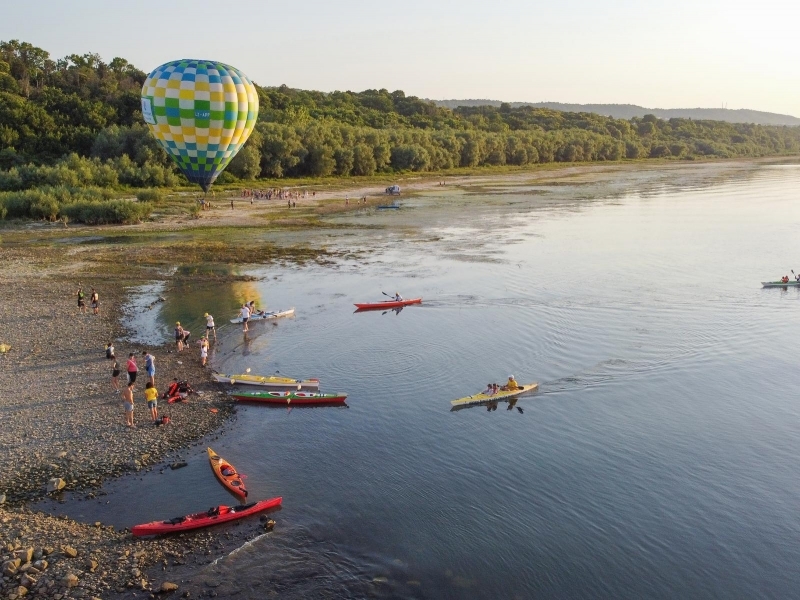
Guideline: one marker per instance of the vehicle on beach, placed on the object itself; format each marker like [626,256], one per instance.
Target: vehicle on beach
[393,190]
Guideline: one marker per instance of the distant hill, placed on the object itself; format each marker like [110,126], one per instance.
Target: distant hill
[628,111]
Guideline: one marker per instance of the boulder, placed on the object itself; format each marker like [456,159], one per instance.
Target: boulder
[91,565]
[70,552]
[55,484]
[27,581]
[70,580]
[24,555]
[10,567]
[20,591]
[168,586]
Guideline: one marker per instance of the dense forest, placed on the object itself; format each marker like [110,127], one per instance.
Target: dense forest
[71,128]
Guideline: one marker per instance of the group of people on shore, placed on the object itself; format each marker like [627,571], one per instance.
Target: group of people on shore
[132,368]
[277,193]
[94,300]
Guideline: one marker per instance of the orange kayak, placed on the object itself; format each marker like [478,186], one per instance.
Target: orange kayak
[227,474]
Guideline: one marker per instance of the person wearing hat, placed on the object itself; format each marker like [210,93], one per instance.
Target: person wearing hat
[511,384]
[179,334]
[210,326]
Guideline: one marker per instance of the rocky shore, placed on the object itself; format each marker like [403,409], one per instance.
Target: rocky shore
[63,431]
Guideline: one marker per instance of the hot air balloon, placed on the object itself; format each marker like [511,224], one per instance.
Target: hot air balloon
[201,112]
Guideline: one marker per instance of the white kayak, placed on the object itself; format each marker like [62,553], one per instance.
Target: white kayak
[263,316]
[269,381]
[780,284]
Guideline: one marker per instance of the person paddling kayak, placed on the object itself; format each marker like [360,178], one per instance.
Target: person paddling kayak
[511,384]
[398,297]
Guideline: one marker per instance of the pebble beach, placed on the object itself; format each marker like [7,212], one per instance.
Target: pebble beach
[63,432]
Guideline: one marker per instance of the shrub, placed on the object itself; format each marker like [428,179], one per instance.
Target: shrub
[149,195]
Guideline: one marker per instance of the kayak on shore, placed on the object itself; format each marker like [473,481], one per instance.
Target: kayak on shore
[388,304]
[291,397]
[227,474]
[500,395]
[266,315]
[213,516]
[271,381]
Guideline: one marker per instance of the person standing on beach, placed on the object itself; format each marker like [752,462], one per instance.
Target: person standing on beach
[81,300]
[150,367]
[179,335]
[133,368]
[245,317]
[95,300]
[151,395]
[210,328]
[115,375]
[203,351]
[127,404]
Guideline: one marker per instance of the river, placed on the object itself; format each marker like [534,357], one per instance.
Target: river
[658,459]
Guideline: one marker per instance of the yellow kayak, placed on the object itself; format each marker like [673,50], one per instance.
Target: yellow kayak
[274,381]
[500,395]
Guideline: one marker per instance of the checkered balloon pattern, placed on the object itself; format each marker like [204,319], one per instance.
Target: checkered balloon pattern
[202,113]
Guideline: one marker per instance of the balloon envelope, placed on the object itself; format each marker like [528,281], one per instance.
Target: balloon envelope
[202,112]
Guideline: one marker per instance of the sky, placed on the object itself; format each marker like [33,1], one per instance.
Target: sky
[654,53]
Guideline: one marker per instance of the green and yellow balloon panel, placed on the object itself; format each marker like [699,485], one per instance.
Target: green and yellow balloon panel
[202,113]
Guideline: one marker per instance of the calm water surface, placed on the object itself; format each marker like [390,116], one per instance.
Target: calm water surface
[659,459]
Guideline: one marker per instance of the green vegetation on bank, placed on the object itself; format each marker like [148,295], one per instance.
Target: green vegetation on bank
[75,122]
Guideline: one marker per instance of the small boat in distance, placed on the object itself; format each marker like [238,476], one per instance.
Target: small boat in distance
[771,284]
[388,304]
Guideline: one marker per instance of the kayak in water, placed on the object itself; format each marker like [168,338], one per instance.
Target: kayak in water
[499,395]
[227,474]
[291,398]
[388,304]
[270,381]
[213,516]
[263,316]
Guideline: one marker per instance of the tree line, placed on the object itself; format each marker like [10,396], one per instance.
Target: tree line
[76,121]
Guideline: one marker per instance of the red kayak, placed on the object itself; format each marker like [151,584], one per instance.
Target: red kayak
[213,516]
[389,304]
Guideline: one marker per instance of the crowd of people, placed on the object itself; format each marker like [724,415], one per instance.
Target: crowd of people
[277,193]
[132,367]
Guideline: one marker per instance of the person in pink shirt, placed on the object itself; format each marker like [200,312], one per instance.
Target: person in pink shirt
[133,368]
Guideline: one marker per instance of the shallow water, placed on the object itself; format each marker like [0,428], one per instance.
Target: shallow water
[658,459]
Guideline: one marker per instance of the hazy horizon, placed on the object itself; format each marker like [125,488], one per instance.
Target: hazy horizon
[686,55]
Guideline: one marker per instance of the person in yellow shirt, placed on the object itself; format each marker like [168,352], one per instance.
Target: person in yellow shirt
[511,384]
[151,395]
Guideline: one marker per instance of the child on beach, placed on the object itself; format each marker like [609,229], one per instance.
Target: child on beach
[150,367]
[203,351]
[151,395]
[127,404]
[115,375]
